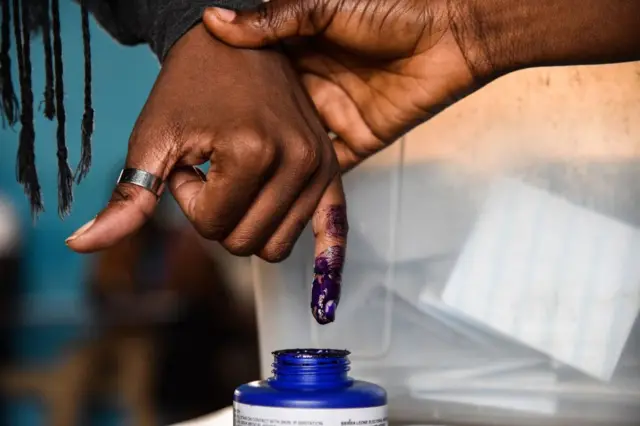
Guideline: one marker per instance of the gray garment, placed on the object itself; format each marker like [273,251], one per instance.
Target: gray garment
[159,23]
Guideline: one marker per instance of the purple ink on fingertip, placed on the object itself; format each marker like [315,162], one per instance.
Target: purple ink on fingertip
[327,283]
[337,223]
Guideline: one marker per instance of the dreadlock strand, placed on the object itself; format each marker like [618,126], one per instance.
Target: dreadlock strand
[10,107]
[87,118]
[26,167]
[49,105]
[17,34]
[65,177]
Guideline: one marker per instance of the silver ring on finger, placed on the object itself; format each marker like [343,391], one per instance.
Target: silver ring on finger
[143,179]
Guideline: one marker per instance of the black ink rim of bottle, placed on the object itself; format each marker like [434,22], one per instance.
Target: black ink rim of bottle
[310,368]
[310,354]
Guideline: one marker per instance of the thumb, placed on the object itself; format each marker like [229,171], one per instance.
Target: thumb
[330,228]
[130,206]
[270,23]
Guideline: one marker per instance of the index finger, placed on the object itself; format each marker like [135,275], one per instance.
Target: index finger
[330,228]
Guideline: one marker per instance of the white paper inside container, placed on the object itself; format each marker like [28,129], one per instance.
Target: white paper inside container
[522,385]
[534,404]
[559,278]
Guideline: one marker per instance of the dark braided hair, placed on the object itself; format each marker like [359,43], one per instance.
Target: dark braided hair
[26,161]
[87,117]
[65,178]
[9,105]
[32,16]
[49,106]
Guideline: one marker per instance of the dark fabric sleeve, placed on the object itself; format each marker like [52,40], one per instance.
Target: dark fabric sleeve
[159,23]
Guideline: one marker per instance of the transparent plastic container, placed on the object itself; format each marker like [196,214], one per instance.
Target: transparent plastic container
[493,272]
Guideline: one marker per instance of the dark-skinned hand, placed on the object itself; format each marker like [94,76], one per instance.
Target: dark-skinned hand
[374,68]
[272,164]
[377,68]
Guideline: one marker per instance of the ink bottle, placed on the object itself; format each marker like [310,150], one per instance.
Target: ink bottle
[310,387]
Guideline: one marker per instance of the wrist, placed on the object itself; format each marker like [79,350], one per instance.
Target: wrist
[501,36]
[199,55]
[497,37]
[465,19]
[174,20]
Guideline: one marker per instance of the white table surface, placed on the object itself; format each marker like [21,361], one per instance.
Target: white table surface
[222,417]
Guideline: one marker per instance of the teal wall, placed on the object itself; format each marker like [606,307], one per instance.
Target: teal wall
[123,77]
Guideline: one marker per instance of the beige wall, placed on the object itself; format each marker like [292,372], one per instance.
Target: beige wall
[569,113]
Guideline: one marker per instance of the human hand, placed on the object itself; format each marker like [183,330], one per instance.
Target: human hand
[374,68]
[272,163]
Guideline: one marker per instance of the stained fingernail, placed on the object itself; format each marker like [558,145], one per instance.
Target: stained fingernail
[225,15]
[84,228]
[327,283]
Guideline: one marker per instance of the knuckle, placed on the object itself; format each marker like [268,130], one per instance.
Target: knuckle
[208,230]
[271,17]
[307,157]
[239,246]
[366,149]
[253,152]
[276,252]
[267,18]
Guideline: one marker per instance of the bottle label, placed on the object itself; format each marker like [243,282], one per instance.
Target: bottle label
[255,415]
